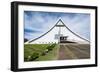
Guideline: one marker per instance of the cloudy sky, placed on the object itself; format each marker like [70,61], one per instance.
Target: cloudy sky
[37,23]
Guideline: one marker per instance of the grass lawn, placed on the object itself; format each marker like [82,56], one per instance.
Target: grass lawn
[40,52]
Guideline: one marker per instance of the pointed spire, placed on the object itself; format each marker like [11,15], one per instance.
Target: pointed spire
[60,23]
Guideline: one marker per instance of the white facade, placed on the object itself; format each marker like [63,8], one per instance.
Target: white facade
[51,36]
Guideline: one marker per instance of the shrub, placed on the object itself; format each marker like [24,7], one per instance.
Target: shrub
[34,56]
[51,47]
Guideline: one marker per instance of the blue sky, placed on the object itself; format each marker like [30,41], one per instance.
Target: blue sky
[36,23]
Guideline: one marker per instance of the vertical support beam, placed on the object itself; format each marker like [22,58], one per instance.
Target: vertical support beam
[59,32]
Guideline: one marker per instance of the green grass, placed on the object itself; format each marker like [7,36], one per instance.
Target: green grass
[33,52]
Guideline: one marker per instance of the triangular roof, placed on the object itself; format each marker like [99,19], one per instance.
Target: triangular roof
[59,23]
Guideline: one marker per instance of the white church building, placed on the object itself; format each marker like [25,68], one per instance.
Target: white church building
[59,33]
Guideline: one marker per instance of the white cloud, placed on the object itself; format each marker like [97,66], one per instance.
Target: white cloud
[79,23]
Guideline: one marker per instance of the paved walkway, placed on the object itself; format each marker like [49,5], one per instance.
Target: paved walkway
[74,51]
